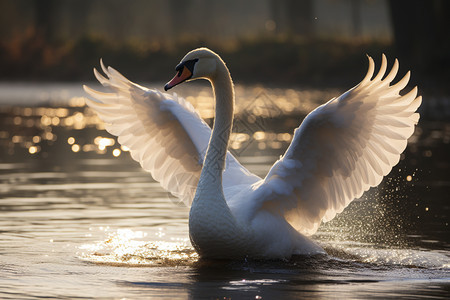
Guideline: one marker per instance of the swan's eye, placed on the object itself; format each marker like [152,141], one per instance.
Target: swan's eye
[179,67]
[189,64]
[180,71]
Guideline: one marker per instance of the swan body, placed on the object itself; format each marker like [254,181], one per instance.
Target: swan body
[341,149]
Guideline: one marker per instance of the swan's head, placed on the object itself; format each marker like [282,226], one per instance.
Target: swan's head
[198,64]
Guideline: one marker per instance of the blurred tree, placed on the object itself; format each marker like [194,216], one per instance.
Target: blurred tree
[121,18]
[45,20]
[179,16]
[355,6]
[293,16]
[421,34]
[78,19]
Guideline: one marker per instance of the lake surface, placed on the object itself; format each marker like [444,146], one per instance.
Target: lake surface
[80,219]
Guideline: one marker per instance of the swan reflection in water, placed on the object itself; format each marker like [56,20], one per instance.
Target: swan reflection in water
[341,149]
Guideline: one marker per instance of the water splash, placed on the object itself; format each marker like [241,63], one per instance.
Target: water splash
[389,257]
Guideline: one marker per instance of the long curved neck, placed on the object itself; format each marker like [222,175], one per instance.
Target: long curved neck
[214,162]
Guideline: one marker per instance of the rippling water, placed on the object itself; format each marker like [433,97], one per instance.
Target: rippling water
[79,218]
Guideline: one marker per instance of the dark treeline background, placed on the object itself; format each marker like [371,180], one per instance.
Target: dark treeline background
[279,42]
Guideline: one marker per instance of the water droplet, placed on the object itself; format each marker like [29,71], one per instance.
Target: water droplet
[75,148]
[36,139]
[116,152]
[33,149]
[17,120]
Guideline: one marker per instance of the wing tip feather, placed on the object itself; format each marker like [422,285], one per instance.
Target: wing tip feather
[370,71]
[103,67]
[382,70]
[89,90]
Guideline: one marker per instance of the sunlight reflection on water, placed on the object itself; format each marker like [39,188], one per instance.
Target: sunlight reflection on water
[125,247]
[253,106]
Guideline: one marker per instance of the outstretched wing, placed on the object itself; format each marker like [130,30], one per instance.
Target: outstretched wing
[341,149]
[164,133]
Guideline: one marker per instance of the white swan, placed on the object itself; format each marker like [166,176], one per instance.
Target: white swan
[341,149]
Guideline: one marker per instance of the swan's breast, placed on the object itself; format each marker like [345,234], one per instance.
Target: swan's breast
[214,231]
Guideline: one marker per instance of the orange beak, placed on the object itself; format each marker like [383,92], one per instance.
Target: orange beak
[182,75]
